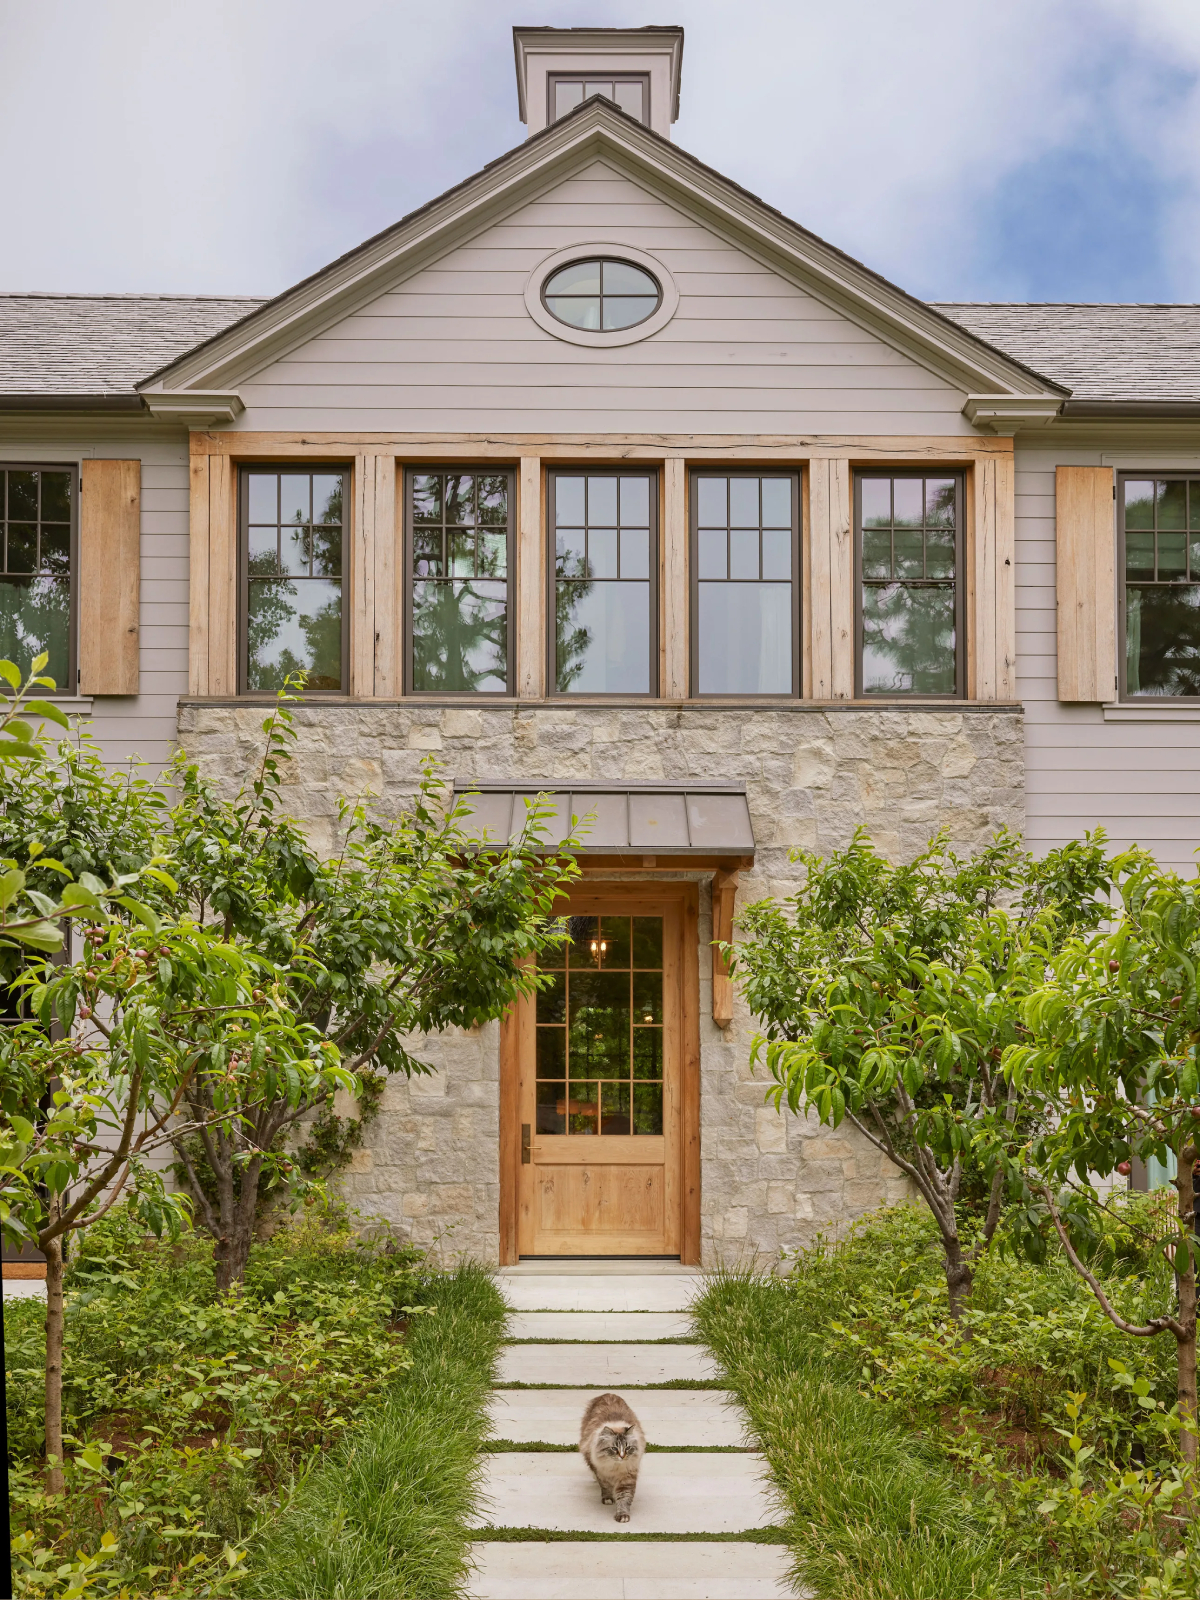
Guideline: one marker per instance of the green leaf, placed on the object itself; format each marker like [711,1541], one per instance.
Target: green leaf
[11,885]
[10,674]
[40,935]
[47,709]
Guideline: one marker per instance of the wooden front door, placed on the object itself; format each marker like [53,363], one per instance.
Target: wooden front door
[599,1085]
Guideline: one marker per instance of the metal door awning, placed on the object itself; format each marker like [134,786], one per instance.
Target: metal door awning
[619,819]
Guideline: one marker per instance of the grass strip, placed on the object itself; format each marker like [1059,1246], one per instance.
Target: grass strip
[385,1514]
[875,1514]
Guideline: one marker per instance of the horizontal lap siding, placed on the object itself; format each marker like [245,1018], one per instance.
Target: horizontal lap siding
[454,347]
[1137,780]
[143,724]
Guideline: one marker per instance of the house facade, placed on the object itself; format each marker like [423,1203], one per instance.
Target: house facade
[600,477]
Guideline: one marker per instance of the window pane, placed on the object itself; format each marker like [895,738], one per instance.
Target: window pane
[635,502]
[22,547]
[568,502]
[294,626]
[908,639]
[263,552]
[460,636]
[576,312]
[877,502]
[1162,640]
[460,552]
[571,559]
[598,86]
[614,941]
[908,553]
[614,1108]
[295,497]
[551,1107]
[777,553]
[1172,555]
[743,502]
[939,553]
[551,1004]
[602,501]
[427,553]
[1139,555]
[635,552]
[712,504]
[713,544]
[327,552]
[491,554]
[877,553]
[1139,504]
[647,1108]
[1193,505]
[295,545]
[602,552]
[56,550]
[647,942]
[626,311]
[620,277]
[566,97]
[581,277]
[745,638]
[743,553]
[583,1108]
[629,98]
[22,496]
[327,497]
[647,1052]
[777,502]
[551,1052]
[427,497]
[603,634]
[56,497]
[1172,505]
[458,491]
[939,502]
[35,616]
[491,499]
[908,502]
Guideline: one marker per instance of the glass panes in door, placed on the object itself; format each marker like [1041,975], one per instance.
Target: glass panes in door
[1161,525]
[293,565]
[600,1030]
[35,580]
[908,562]
[605,564]
[461,559]
[744,605]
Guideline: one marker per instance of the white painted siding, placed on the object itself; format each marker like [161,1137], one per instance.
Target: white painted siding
[140,725]
[454,348]
[1138,780]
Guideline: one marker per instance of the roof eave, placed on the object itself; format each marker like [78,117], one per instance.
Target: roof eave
[1133,410]
[72,402]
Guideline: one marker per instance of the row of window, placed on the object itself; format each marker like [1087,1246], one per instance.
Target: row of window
[602,597]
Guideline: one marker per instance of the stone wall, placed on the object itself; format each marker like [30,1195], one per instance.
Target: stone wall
[769,1182]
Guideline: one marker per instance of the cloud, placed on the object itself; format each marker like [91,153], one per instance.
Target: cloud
[1046,149]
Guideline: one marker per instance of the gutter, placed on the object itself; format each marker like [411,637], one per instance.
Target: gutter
[1118,409]
[72,402]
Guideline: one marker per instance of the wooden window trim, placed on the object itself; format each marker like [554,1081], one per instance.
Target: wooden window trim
[961,547]
[654,473]
[71,688]
[718,470]
[494,470]
[243,572]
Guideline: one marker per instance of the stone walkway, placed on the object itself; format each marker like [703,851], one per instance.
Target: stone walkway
[575,1333]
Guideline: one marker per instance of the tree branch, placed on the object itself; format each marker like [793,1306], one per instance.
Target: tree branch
[1155,1326]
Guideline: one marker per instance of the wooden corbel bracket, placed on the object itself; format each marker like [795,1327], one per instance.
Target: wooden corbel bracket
[724,889]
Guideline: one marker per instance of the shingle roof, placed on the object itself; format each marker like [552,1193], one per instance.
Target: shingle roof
[1141,353]
[102,344]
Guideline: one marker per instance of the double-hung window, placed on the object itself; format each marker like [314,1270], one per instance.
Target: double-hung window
[746,590]
[909,541]
[460,559]
[293,560]
[1159,520]
[37,542]
[603,582]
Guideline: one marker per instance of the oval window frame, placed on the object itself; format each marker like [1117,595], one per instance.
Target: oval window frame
[610,250]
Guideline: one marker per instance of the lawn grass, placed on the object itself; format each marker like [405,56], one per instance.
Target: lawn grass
[385,1515]
[873,1514]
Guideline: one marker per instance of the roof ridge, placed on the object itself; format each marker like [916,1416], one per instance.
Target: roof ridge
[54,294]
[1081,305]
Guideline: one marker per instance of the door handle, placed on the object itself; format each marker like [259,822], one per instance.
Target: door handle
[525,1151]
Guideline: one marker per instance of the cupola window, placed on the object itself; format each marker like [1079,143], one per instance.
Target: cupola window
[601,295]
[631,93]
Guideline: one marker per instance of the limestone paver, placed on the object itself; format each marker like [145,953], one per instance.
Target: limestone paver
[605,1366]
[600,1292]
[24,1288]
[684,1493]
[633,1326]
[664,1570]
[696,1418]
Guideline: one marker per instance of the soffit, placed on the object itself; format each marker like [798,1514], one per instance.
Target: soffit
[618,819]
[598,129]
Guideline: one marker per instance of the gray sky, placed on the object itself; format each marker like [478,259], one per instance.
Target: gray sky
[1035,149]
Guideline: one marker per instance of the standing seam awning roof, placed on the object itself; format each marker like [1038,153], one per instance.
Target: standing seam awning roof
[620,819]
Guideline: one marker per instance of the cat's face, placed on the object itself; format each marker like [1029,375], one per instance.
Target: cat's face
[615,1439]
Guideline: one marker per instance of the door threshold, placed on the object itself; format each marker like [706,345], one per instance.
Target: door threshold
[598,1266]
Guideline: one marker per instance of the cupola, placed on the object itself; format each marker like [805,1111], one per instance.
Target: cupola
[559,68]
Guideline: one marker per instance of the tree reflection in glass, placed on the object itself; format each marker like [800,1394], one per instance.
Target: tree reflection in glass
[293,578]
[35,569]
[908,560]
[460,534]
[1161,524]
[604,557]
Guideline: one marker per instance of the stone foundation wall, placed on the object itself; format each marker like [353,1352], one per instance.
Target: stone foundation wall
[769,1182]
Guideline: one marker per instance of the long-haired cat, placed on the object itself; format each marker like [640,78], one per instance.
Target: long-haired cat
[612,1443]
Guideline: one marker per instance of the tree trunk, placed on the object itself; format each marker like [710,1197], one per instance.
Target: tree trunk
[237,1227]
[1186,1372]
[53,1251]
[959,1278]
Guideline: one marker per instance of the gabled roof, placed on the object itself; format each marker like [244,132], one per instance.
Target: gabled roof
[63,347]
[598,128]
[1147,354]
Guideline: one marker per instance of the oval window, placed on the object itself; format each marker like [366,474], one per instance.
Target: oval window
[601,296]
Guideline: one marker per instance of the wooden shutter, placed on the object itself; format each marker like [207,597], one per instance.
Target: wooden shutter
[1087,585]
[110,525]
